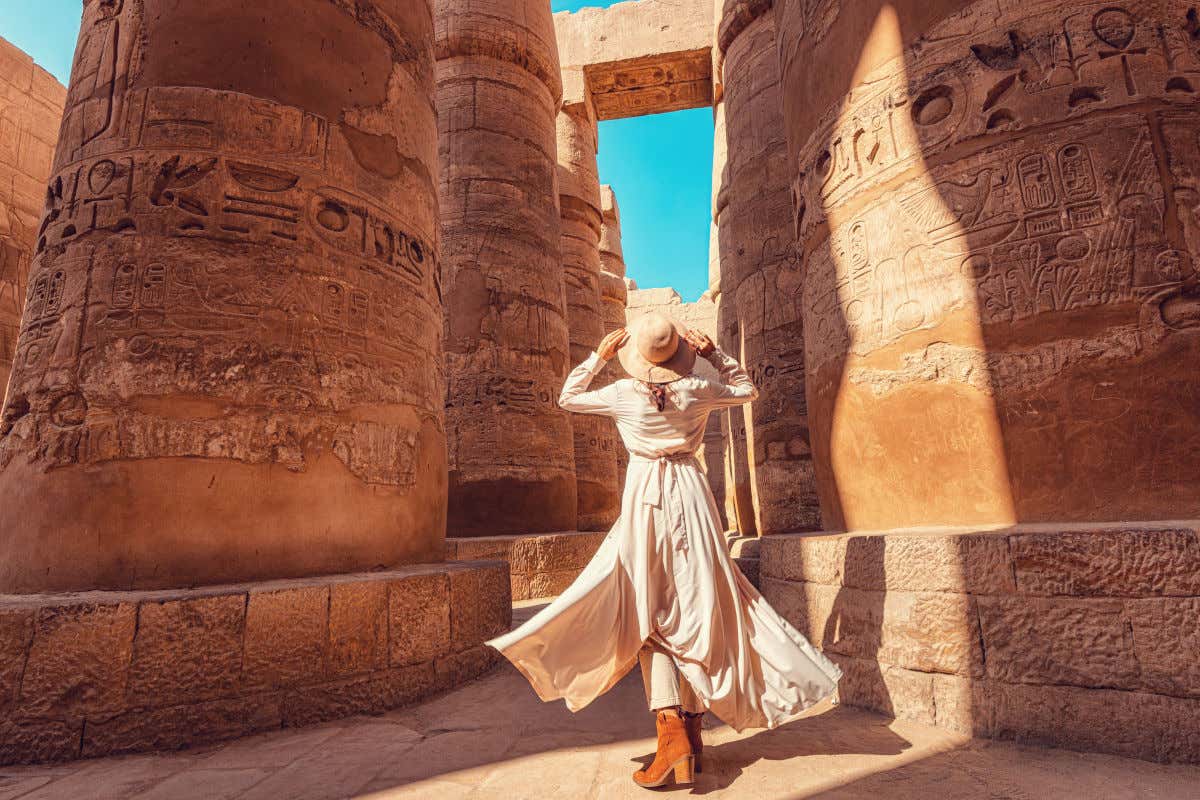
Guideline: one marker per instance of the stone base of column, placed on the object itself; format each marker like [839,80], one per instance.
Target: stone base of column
[100,673]
[1076,636]
[745,550]
[542,564]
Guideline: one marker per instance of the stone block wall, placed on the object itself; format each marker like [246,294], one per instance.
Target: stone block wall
[540,565]
[1078,636]
[99,673]
[31,107]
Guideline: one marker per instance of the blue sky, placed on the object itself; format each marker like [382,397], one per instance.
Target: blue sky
[660,167]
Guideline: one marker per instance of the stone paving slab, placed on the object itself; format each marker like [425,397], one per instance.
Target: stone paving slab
[493,739]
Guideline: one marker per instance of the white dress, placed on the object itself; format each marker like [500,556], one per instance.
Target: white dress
[664,574]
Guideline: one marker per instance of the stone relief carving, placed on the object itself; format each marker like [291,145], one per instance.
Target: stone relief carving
[330,317]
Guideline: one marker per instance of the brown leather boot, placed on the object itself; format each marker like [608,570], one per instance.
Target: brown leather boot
[674,754]
[693,724]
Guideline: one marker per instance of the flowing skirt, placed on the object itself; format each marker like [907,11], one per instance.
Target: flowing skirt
[664,574]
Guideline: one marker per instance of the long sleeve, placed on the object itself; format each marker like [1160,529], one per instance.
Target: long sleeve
[575,396]
[735,386]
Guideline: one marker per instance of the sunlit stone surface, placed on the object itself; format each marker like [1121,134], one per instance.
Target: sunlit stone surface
[31,104]
[229,364]
[954,242]
[762,274]
[512,466]
[579,202]
[996,203]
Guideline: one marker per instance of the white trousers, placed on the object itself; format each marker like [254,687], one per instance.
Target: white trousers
[665,687]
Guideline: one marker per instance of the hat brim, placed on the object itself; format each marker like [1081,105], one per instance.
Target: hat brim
[637,366]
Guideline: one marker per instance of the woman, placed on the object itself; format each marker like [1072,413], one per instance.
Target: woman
[663,589]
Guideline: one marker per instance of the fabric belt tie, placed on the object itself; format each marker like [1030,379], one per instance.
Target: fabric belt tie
[656,488]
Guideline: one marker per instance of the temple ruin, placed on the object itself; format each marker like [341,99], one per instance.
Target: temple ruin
[280,441]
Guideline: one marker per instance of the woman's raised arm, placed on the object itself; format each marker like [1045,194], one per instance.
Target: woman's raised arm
[575,396]
[735,386]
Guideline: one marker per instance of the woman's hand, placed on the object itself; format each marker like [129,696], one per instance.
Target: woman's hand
[700,342]
[610,344]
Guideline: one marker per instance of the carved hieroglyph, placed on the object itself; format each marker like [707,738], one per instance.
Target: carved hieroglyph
[648,57]
[579,201]
[999,223]
[229,365]
[498,92]
[760,275]
[31,104]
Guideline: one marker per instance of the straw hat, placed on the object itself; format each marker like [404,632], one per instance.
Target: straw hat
[656,351]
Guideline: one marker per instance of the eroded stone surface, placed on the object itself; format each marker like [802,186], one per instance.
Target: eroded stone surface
[287,637]
[498,91]
[540,565]
[201,638]
[1166,636]
[761,273]
[230,357]
[1108,563]
[371,694]
[599,500]
[180,726]
[16,630]
[110,672]
[78,660]
[419,612]
[480,605]
[31,105]
[1059,641]
[36,740]
[996,218]
[820,559]
[968,645]
[358,628]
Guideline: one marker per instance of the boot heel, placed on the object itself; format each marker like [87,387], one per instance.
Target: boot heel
[684,770]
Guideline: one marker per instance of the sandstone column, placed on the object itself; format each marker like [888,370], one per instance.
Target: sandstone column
[738,500]
[614,293]
[579,207]
[998,205]
[761,273]
[31,104]
[229,366]
[498,92]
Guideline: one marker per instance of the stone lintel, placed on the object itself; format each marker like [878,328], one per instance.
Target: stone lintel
[645,57]
[101,673]
[652,84]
